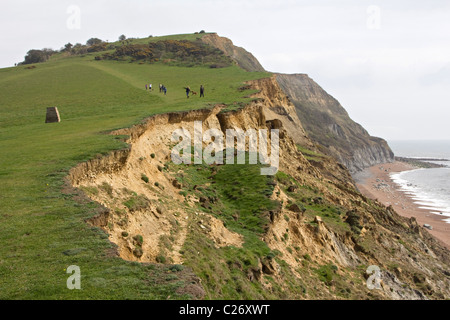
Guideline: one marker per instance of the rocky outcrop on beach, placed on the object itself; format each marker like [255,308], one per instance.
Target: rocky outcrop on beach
[329,125]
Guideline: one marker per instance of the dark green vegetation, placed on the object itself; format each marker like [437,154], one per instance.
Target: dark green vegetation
[311,203]
[173,52]
[40,219]
[240,197]
[98,45]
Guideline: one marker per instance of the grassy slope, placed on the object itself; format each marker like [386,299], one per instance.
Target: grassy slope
[42,230]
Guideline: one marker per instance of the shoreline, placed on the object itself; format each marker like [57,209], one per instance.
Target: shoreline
[375,183]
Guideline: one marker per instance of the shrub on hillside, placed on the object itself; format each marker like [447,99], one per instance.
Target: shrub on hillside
[93,41]
[97,47]
[183,52]
[36,56]
[79,49]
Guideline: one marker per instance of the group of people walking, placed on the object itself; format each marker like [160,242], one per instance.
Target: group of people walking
[189,91]
[163,89]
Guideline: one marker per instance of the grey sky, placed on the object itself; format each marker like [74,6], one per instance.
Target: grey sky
[394,80]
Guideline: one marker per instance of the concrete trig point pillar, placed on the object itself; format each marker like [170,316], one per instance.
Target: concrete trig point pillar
[52,115]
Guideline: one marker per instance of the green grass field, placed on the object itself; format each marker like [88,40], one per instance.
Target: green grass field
[42,230]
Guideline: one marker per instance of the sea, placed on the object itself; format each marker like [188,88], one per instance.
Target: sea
[430,188]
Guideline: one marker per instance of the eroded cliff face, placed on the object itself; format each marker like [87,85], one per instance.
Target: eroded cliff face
[322,235]
[152,208]
[328,124]
[243,58]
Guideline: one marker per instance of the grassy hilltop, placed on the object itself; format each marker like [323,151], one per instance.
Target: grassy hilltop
[42,230]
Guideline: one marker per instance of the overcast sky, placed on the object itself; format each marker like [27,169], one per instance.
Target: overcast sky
[386,61]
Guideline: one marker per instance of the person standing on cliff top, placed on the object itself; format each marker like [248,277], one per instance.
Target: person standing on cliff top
[188,90]
[202,91]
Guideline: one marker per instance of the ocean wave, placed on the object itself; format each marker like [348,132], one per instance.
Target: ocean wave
[428,188]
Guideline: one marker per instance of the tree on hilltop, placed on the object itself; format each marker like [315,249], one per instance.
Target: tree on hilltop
[78,48]
[122,38]
[68,47]
[35,56]
[93,41]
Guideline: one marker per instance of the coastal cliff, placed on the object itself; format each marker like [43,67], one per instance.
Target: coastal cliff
[243,58]
[100,190]
[326,122]
[304,234]
[329,125]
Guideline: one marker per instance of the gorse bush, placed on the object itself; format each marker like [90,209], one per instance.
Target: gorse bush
[171,51]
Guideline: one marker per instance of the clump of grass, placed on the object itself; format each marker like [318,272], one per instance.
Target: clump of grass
[137,203]
[271,255]
[326,273]
[176,268]
[353,219]
[145,178]
[311,155]
[139,240]
[106,187]
[120,212]
[161,259]
[138,252]
[165,242]
[90,190]
[282,177]
[171,277]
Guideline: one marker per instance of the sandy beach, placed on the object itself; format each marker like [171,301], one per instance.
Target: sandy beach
[375,183]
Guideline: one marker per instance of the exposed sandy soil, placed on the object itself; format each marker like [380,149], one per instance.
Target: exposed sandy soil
[376,183]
